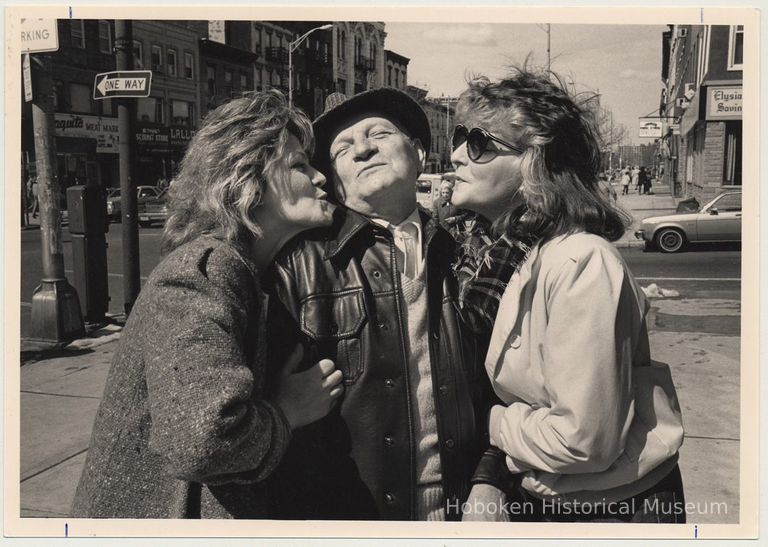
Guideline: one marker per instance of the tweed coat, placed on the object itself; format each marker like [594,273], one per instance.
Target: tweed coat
[183,430]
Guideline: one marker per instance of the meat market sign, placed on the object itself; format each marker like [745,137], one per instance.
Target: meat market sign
[724,103]
[102,129]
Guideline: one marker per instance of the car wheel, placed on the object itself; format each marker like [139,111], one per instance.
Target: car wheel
[669,240]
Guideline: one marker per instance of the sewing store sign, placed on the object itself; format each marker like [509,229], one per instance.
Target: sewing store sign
[103,130]
[724,103]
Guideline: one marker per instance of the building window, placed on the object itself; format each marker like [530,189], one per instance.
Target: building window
[736,48]
[58,96]
[171,61]
[257,79]
[150,109]
[243,81]
[227,76]
[138,54]
[77,33]
[105,37]
[183,112]
[389,75]
[732,164]
[189,69]
[80,98]
[210,73]
[157,58]
[342,45]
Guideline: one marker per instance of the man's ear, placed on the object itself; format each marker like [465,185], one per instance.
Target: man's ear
[420,153]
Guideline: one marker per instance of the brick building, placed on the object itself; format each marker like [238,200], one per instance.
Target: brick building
[396,70]
[701,147]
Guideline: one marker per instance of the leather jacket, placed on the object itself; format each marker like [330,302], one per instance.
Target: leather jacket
[337,291]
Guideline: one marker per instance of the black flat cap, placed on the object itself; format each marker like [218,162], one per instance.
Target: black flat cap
[387,102]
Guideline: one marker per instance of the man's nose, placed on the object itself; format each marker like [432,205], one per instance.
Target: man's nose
[363,147]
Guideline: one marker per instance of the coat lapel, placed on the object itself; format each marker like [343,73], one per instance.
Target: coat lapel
[506,318]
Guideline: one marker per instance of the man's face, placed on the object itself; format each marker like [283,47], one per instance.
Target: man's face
[445,193]
[376,165]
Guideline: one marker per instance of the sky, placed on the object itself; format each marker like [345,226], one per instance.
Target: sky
[620,62]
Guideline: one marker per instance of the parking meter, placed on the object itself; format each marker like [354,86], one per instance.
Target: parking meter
[88,225]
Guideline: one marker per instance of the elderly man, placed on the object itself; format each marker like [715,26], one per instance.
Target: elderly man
[376,294]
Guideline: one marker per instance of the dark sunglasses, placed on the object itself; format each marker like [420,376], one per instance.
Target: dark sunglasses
[477,141]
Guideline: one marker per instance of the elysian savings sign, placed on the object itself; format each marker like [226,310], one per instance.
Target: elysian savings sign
[724,103]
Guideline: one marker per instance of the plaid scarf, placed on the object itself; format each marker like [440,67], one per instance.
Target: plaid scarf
[484,267]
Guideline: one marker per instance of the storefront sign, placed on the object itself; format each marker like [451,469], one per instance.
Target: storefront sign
[724,103]
[155,138]
[180,135]
[650,128]
[103,130]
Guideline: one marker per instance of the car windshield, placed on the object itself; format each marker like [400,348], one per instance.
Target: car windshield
[725,201]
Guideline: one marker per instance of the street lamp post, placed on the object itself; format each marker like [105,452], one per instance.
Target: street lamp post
[291,47]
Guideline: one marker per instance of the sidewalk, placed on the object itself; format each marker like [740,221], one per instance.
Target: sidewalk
[639,207]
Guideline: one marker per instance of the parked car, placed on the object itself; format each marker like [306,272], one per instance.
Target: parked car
[718,221]
[153,210]
[143,193]
[427,189]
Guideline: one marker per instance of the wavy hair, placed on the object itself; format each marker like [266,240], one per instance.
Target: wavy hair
[238,150]
[561,161]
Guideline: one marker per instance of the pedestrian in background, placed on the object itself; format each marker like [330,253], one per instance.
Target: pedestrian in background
[186,427]
[625,182]
[636,179]
[446,213]
[645,181]
[569,354]
[35,187]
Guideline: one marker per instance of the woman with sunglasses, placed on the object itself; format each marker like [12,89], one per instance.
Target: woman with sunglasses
[570,327]
[187,427]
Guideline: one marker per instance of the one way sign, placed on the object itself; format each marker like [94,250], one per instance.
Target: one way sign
[131,83]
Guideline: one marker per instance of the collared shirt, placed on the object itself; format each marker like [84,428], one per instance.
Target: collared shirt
[408,243]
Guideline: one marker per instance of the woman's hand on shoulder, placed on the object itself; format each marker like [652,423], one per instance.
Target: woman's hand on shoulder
[305,397]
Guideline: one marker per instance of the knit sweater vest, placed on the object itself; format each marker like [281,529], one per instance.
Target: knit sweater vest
[429,489]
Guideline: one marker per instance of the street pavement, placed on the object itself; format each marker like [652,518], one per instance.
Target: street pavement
[696,332]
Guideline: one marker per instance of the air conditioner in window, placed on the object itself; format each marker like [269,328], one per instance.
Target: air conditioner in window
[682,32]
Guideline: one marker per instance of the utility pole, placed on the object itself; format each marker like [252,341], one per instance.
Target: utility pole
[56,316]
[549,44]
[125,115]
[610,150]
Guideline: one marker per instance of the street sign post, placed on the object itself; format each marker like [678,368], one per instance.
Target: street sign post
[127,83]
[39,35]
[27,78]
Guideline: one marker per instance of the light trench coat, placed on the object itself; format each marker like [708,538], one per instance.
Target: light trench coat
[570,327]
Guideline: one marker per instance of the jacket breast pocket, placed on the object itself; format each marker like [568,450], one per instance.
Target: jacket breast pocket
[335,322]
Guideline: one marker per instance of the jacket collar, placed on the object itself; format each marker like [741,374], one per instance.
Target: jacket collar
[350,223]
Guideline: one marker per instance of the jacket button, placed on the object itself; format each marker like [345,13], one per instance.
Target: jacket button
[383,326]
[443,389]
[389,440]
[376,274]
[514,341]
[389,382]
[436,335]
[389,498]
[334,328]
[449,443]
